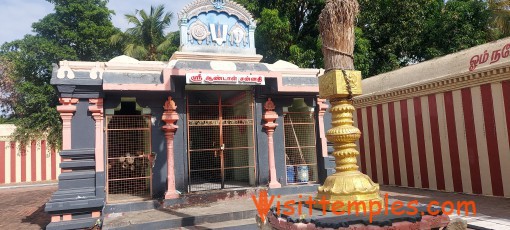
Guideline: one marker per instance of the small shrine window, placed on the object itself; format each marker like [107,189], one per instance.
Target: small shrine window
[300,143]
[128,152]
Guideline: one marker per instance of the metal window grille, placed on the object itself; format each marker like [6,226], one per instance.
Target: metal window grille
[300,147]
[129,169]
[220,140]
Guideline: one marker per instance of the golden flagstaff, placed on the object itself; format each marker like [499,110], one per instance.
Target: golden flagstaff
[339,84]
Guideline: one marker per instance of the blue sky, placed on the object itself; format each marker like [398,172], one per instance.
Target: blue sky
[17,16]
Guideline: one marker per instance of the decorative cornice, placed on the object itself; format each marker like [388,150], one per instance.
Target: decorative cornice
[67,106]
[230,7]
[65,71]
[98,68]
[215,57]
[96,108]
[490,74]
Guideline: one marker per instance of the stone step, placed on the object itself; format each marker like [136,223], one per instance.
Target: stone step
[74,175]
[85,223]
[73,193]
[78,153]
[158,219]
[245,224]
[57,206]
[78,164]
[77,183]
[225,212]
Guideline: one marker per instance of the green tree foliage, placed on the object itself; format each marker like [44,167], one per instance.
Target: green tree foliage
[288,30]
[272,26]
[395,30]
[77,30]
[461,24]
[500,15]
[83,25]
[147,40]
[389,34]
[406,32]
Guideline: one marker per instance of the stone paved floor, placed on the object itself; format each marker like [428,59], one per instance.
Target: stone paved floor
[23,208]
[491,212]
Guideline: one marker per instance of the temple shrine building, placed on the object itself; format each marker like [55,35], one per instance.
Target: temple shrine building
[213,118]
[215,122]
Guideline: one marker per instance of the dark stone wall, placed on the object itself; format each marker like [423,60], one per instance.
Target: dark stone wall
[83,127]
[261,138]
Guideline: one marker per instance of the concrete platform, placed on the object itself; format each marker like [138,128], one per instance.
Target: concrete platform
[237,212]
[492,212]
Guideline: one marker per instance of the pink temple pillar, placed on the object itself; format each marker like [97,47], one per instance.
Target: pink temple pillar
[270,116]
[170,116]
[323,107]
[96,108]
[66,111]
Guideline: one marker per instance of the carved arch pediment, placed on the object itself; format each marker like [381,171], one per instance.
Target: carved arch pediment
[230,7]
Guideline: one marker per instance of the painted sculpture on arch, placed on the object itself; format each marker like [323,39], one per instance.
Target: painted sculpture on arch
[339,84]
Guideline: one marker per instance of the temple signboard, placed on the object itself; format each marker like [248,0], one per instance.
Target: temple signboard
[495,56]
[224,79]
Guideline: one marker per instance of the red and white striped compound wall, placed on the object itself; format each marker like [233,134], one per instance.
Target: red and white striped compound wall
[445,127]
[34,162]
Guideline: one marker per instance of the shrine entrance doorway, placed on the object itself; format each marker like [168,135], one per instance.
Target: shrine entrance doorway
[221,141]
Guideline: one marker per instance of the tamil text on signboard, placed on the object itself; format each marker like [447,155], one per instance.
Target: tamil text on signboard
[224,79]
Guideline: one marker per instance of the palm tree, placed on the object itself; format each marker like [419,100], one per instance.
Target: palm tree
[500,15]
[146,40]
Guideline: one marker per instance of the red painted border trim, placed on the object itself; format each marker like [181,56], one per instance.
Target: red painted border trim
[382,142]
[452,142]
[420,136]
[394,143]
[2,162]
[33,161]
[13,162]
[492,140]
[361,142]
[407,143]
[373,160]
[43,160]
[23,163]
[506,97]
[469,122]
[53,165]
[436,142]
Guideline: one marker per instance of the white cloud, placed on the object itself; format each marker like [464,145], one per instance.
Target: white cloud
[17,16]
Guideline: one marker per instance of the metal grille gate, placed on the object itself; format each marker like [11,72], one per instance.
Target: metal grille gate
[129,169]
[220,140]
